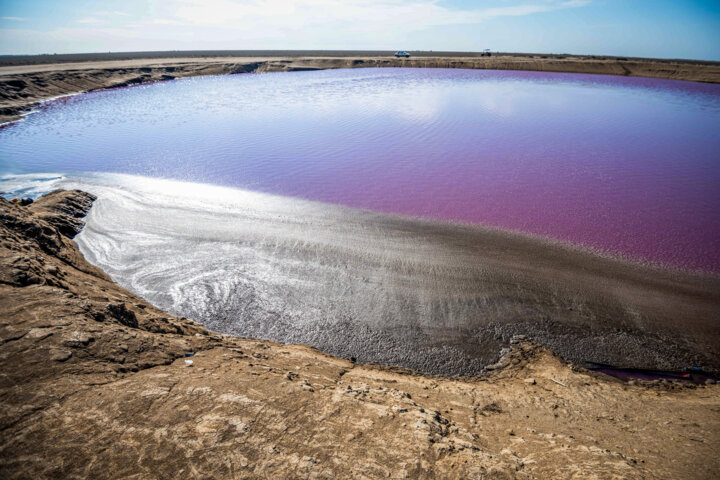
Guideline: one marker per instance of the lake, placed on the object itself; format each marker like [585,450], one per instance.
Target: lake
[627,166]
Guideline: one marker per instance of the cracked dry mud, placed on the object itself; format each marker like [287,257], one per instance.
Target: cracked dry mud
[94,383]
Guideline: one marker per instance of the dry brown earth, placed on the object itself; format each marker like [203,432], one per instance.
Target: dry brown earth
[94,384]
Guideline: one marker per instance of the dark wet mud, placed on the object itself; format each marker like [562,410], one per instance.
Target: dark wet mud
[436,297]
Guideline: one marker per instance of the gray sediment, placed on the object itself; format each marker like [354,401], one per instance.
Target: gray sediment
[436,297]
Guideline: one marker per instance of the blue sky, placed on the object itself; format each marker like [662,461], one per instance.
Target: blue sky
[648,28]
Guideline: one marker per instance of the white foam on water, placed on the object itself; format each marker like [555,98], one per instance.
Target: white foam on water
[29,185]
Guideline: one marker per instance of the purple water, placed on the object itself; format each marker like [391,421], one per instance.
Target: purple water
[625,165]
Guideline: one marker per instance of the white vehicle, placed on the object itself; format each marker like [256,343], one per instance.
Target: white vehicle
[402,53]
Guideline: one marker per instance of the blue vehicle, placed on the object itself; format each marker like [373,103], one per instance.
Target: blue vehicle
[402,53]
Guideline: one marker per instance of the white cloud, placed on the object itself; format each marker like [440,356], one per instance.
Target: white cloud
[113,13]
[91,21]
[282,24]
[514,11]
[165,21]
[14,19]
[337,23]
[402,13]
[576,3]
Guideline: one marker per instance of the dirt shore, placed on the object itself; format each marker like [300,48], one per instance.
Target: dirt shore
[95,383]
[27,80]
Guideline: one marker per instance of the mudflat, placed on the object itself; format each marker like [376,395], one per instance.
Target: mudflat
[98,383]
[27,80]
[436,297]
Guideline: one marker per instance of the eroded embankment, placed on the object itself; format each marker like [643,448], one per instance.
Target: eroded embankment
[94,383]
[23,86]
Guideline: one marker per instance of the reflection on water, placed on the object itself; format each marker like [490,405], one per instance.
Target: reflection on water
[626,165]
[431,296]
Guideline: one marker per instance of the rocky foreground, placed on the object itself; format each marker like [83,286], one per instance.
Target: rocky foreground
[96,383]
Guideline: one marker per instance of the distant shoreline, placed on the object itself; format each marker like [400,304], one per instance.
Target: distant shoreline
[46,58]
[26,81]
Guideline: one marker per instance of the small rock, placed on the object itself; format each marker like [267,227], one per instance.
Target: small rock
[51,269]
[77,340]
[39,333]
[188,363]
[492,408]
[60,355]
[530,381]
[510,432]
[121,313]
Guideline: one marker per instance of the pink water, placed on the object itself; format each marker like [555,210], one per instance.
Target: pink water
[625,165]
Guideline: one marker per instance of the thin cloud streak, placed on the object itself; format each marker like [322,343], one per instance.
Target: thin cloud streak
[112,13]
[402,13]
[262,24]
[91,21]
[649,28]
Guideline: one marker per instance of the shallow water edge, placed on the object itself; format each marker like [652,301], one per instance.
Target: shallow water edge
[434,297]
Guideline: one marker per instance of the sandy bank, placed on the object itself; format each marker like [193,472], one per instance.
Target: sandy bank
[25,81]
[94,384]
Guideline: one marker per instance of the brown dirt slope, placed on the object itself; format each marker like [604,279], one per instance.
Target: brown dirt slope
[25,84]
[94,384]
